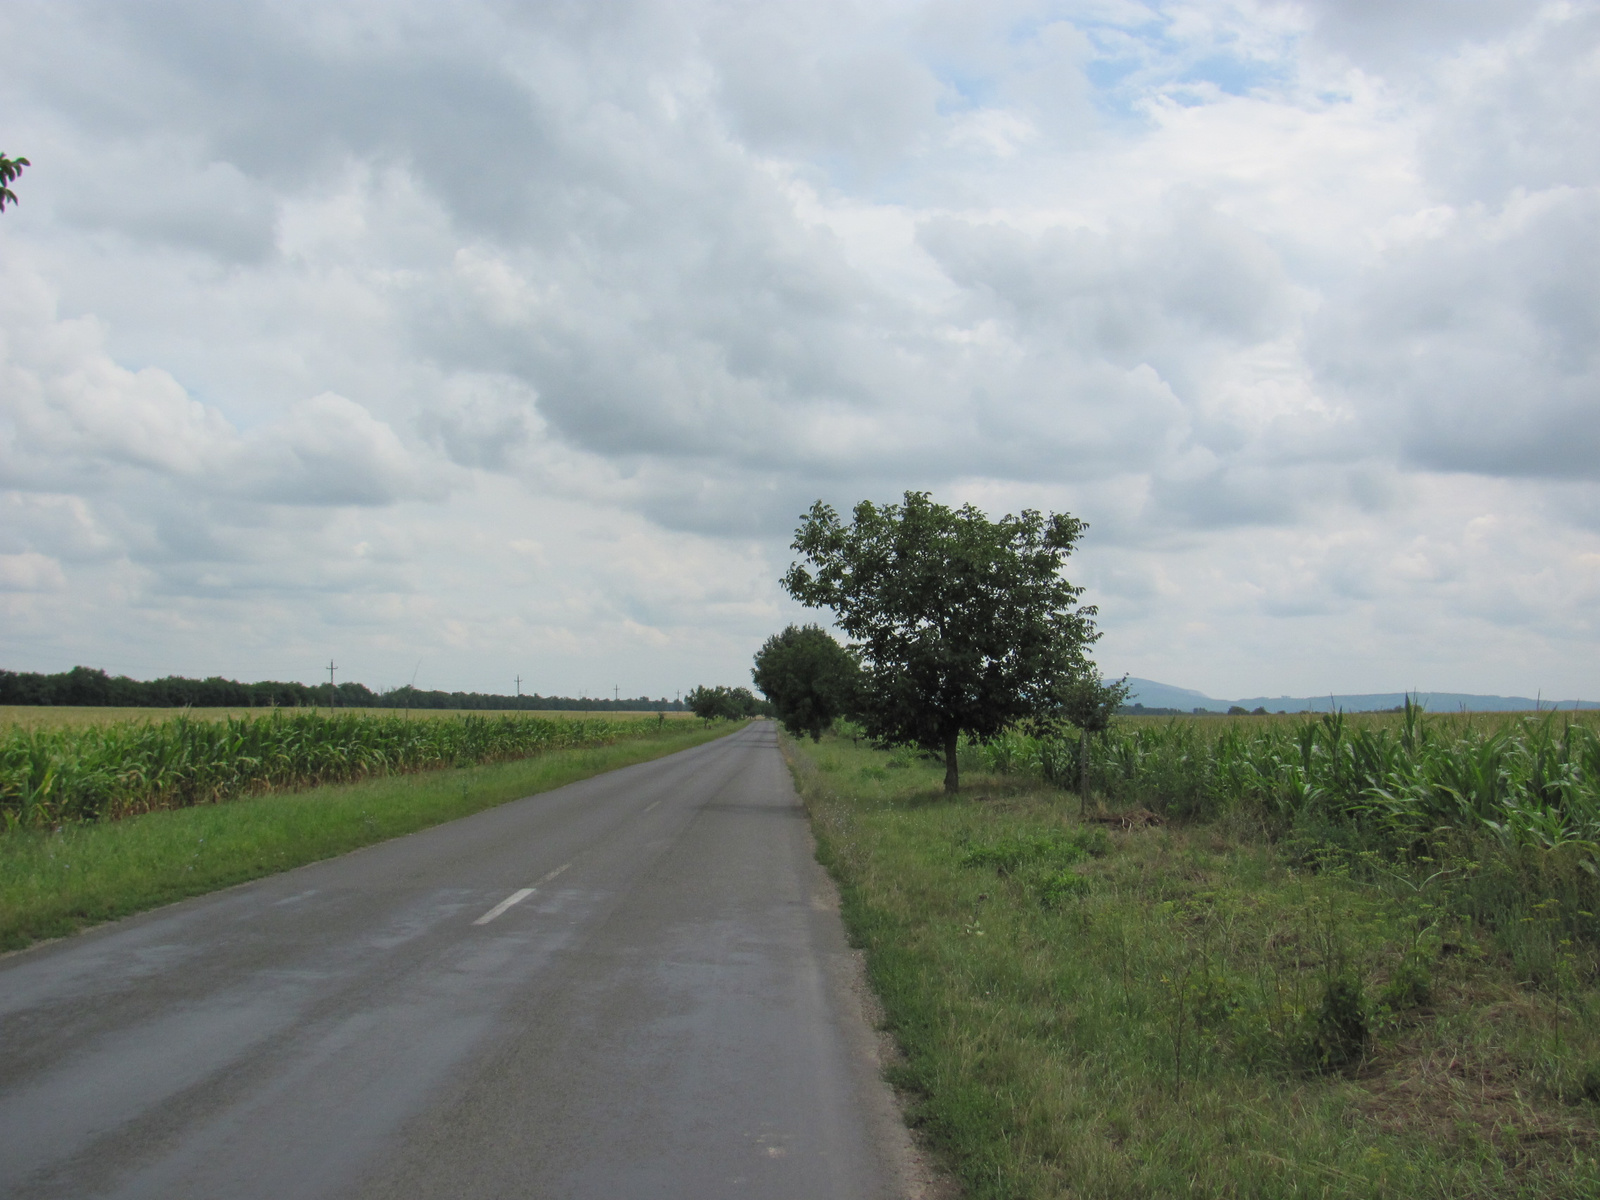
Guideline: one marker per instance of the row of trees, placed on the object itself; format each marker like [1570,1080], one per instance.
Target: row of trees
[87,686]
[726,704]
[958,625]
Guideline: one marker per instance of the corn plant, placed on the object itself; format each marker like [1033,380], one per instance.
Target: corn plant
[51,776]
[1527,781]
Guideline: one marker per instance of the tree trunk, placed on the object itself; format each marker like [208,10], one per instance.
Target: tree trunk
[1083,771]
[952,771]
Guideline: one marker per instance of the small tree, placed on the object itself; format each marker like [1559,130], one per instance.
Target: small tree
[962,624]
[1090,703]
[809,677]
[10,171]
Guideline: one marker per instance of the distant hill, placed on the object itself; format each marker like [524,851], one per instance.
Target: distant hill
[1163,695]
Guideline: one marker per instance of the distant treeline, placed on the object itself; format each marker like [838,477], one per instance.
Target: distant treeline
[86,686]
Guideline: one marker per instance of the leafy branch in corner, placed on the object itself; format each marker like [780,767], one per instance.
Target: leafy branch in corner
[10,171]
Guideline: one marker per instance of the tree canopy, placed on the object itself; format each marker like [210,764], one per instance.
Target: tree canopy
[962,624]
[809,678]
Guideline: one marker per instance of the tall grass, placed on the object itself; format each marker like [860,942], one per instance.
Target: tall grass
[86,773]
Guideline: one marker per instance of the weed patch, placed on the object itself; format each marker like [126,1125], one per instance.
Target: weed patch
[1057,848]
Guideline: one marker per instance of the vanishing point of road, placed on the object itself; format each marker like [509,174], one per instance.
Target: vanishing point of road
[633,986]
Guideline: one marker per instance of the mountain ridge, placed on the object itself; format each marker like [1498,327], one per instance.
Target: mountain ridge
[1153,694]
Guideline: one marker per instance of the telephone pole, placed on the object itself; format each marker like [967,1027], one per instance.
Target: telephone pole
[333,695]
[519,687]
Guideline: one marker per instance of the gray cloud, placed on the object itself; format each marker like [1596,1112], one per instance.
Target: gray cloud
[1128,295]
[1480,348]
[212,209]
[1388,35]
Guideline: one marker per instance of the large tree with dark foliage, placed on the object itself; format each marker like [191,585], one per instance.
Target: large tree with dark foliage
[810,679]
[962,624]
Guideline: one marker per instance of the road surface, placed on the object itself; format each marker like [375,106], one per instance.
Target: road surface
[634,986]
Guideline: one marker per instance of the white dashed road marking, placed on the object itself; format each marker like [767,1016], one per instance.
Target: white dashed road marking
[518,896]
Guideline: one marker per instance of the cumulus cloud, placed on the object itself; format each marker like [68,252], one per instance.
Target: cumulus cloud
[475,331]
[72,412]
[123,471]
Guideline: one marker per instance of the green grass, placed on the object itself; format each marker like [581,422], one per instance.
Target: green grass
[55,883]
[1153,1009]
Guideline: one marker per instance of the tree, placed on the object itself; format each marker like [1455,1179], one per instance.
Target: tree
[713,703]
[1090,703]
[10,170]
[962,624]
[809,678]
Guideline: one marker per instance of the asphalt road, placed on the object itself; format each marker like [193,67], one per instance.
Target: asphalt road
[634,986]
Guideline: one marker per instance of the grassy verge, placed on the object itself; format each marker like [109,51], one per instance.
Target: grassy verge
[1148,1008]
[53,884]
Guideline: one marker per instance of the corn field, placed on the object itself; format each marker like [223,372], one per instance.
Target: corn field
[52,776]
[1527,781]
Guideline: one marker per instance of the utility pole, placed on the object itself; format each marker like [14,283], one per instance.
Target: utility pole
[616,692]
[519,687]
[333,695]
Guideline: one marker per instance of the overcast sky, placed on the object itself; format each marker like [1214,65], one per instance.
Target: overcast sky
[467,340]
